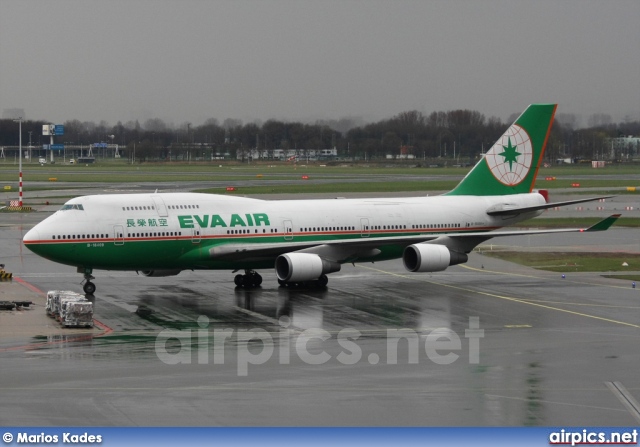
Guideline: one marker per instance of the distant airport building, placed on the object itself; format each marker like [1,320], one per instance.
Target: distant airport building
[287,154]
[406,153]
[624,147]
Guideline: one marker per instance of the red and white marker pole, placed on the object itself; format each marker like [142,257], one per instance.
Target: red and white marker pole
[20,189]
[19,120]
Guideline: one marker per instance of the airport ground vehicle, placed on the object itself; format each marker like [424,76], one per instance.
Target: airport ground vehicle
[69,308]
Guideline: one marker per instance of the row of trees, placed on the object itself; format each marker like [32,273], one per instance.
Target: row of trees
[462,134]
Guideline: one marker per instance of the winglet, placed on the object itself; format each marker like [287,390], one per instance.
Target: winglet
[604,224]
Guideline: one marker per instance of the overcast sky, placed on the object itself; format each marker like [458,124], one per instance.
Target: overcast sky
[189,60]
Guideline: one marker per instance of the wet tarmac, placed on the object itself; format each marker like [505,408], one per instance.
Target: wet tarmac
[488,343]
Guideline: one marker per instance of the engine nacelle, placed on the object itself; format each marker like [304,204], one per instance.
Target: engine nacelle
[430,258]
[171,272]
[293,267]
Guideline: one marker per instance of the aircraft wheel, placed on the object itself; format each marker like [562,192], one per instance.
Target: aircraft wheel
[257,279]
[247,281]
[238,280]
[323,281]
[89,288]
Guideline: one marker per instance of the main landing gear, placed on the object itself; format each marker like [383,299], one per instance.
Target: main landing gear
[88,287]
[321,282]
[249,280]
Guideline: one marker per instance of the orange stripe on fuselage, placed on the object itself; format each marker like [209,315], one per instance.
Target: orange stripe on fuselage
[420,231]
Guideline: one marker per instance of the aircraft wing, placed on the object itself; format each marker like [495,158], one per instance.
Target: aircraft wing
[366,247]
[507,210]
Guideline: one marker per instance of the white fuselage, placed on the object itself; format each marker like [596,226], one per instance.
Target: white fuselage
[137,231]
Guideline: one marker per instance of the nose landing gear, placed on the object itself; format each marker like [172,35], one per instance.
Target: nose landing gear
[88,287]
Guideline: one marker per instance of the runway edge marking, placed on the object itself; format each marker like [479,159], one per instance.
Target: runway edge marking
[623,395]
[517,300]
[541,277]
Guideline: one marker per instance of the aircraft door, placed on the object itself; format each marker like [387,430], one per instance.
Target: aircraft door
[118,235]
[196,233]
[365,229]
[288,230]
[160,206]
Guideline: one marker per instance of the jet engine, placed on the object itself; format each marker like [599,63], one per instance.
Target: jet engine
[294,267]
[171,272]
[430,258]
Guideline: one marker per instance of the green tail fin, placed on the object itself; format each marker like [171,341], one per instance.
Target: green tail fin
[512,163]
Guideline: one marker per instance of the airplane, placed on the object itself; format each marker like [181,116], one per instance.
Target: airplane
[162,234]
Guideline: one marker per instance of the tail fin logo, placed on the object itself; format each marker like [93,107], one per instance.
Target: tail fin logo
[511,157]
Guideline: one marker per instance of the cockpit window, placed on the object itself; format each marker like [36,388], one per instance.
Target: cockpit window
[70,206]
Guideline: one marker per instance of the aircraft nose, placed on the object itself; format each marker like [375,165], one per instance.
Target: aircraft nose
[31,236]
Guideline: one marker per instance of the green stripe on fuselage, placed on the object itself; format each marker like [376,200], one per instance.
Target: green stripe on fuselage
[184,253]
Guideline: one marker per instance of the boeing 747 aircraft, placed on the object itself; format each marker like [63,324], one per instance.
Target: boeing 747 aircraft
[163,234]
